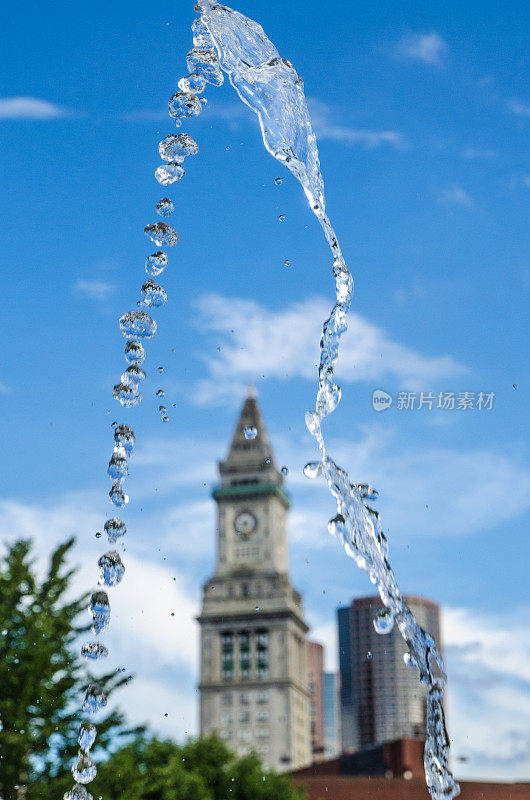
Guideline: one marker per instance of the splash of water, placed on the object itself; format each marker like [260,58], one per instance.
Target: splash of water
[273,89]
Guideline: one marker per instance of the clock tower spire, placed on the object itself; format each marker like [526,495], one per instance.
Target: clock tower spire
[253,685]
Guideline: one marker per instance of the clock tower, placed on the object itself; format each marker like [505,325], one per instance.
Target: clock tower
[253,689]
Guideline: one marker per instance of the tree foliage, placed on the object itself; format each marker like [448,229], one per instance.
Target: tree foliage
[150,769]
[42,677]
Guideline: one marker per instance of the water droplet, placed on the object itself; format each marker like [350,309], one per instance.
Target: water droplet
[95,698]
[192,84]
[84,770]
[97,535]
[165,207]
[111,568]
[99,608]
[118,496]
[137,323]
[87,735]
[165,419]
[153,294]
[160,393]
[514,386]
[176,147]
[205,62]
[285,471]
[160,370]
[250,432]
[201,34]
[313,469]
[124,436]
[384,621]
[277,181]
[286,263]
[162,409]
[281,218]
[312,420]
[155,264]
[134,353]
[169,173]
[118,467]
[369,655]
[77,793]
[162,234]
[115,528]
[409,660]
[127,394]
[183,105]
[366,491]
[94,650]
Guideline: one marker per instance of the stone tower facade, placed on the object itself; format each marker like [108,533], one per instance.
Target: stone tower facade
[253,690]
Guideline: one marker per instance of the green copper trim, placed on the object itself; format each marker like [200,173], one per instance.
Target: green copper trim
[249,489]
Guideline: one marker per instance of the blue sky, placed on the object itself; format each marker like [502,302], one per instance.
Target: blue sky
[422,114]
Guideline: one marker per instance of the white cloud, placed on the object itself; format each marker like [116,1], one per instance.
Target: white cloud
[30,108]
[487,658]
[254,340]
[326,127]
[519,108]
[94,289]
[428,48]
[456,196]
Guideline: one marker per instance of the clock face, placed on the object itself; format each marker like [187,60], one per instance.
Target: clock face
[245,523]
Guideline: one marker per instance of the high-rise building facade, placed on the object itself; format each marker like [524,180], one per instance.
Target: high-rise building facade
[315,672]
[331,714]
[253,688]
[381,697]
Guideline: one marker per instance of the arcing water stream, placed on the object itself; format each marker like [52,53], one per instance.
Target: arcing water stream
[225,40]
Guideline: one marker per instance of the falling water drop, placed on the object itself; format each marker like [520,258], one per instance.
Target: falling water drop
[192,84]
[162,409]
[99,608]
[124,436]
[165,419]
[205,62]
[162,234]
[153,294]
[285,471]
[118,467]
[183,105]
[313,469]
[87,735]
[287,263]
[384,621]
[95,698]
[281,218]
[127,394]
[278,181]
[250,431]
[134,352]
[160,370]
[165,207]
[118,497]
[111,568]
[115,529]
[201,34]
[176,147]
[77,793]
[137,324]
[160,393]
[156,263]
[369,655]
[94,650]
[84,770]
[169,173]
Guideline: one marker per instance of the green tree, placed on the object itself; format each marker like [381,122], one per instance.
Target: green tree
[42,677]
[149,769]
